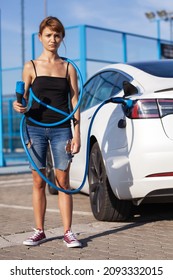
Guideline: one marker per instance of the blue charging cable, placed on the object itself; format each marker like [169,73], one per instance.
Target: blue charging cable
[126,102]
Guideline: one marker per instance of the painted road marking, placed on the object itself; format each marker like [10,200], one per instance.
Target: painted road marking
[20,207]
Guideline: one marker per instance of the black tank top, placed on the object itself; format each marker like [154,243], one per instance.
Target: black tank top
[53,91]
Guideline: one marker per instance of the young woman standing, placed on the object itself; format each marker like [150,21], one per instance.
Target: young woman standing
[53,81]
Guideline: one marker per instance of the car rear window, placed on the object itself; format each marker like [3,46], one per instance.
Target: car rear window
[161,68]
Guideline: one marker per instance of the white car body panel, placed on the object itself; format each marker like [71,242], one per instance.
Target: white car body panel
[130,154]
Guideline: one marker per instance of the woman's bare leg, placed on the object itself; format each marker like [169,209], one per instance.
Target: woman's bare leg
[65,201]
[39,199]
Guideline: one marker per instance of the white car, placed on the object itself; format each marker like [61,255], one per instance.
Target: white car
[131,148]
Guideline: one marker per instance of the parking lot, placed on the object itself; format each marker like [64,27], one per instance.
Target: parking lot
[147,235]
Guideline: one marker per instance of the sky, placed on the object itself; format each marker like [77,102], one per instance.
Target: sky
[121,15]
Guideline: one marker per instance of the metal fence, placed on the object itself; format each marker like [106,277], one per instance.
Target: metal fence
[91,48]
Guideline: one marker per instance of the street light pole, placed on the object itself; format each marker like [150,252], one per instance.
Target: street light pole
[22,33]
[164,16]
[1,119]
[158,29]
[45,8]
[151,16]
[171,35]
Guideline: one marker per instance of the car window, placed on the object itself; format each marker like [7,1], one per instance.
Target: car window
[101,87]
[88,92]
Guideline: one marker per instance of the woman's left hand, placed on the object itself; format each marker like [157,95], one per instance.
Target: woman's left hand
[75,145]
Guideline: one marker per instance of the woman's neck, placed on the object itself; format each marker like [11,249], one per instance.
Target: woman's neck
[49,56]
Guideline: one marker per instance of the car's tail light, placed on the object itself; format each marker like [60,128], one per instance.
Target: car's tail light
[150,108]
[165,106]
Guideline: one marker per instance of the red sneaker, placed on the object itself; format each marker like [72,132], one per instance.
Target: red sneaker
[70,240]
[37,238]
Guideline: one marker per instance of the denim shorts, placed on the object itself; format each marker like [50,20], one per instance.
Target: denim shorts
[37,140]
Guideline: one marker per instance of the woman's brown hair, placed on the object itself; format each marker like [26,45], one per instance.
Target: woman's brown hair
[53,23]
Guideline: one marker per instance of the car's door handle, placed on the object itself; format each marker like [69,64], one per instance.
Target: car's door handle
[89,117]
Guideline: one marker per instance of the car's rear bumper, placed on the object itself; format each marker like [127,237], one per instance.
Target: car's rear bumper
[136,176]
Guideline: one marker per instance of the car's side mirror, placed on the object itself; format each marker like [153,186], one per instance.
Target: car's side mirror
[129,89]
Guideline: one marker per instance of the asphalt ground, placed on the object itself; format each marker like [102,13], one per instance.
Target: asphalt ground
[147,235]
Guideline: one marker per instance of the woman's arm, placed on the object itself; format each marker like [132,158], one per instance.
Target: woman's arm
[75,145]
[27,79]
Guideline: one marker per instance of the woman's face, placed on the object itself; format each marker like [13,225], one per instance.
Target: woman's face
[50,39]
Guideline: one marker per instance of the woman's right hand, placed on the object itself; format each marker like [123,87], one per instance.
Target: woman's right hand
[18,107]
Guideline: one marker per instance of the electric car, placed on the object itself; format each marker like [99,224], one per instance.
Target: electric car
[130,158]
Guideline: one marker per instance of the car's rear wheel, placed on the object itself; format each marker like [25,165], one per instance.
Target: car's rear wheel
[50,172]
[105,206]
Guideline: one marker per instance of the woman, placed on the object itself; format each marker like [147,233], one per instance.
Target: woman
[51,79]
